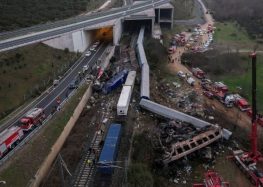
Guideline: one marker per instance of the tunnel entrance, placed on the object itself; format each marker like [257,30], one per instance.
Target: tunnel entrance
[133,26]
[104,34]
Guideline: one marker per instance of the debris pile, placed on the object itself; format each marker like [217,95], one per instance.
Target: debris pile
[179,139]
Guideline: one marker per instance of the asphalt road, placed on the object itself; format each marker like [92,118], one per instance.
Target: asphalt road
[48,101]
[198,14]
[60,23]
[113,14]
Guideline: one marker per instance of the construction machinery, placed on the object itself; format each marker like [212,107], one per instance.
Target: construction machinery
[247,160]
[212,179]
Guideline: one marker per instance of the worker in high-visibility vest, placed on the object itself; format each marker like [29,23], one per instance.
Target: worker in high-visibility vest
[89,162]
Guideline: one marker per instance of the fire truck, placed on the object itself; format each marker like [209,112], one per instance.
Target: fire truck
[32,118]
[221,87]
[242,104]
[180,39]
[9,138]
[219,91]
[197,72]
[212,179]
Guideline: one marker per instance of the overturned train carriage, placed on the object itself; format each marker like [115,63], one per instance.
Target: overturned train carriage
[145,70]
[214,133]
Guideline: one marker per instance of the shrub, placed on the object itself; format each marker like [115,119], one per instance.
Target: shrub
[139,175]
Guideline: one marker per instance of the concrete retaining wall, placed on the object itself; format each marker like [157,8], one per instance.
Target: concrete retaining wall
[76,42]
[46,165]
[117,31]
[81,40]
[61,42]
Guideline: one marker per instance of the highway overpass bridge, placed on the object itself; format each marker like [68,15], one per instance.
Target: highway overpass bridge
[78,33]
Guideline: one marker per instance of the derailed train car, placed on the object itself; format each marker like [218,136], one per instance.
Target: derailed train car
[145,70]
[155,107]
[108,156]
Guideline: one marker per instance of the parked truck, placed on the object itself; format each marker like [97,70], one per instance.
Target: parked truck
[242,104]
[180,39]
[220,86]
[197,72]
[115,82]
[9,138]
[32,118]
[219,90]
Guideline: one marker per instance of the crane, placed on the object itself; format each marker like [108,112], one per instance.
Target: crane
[247,160]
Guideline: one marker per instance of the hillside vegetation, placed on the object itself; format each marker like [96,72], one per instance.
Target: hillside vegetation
[248,14]
[18,14]
[27,72]
[183,9]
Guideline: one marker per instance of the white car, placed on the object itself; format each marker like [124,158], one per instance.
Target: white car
[97,43]
[55,82]
[191,81]
[88,53]
[92,48]
[181,74]
[85,68]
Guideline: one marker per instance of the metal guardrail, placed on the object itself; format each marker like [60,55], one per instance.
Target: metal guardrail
[32,104]
[37,129]
[68,21]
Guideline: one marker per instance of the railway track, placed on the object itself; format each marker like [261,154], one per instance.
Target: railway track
[87,167]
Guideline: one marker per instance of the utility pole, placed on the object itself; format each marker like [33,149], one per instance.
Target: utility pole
[61,170]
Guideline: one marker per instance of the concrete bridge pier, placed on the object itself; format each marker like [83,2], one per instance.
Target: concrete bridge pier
[117,32]
[76,42]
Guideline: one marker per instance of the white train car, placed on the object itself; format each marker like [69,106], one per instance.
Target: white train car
[130,80]
[124,101]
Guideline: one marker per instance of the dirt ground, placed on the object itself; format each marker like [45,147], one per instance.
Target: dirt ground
[99,108]
[236,116]
[231,118]
[176,94]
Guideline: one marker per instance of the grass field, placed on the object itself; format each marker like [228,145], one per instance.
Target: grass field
[231,34]
[183,9]
[26,163]
[16,14]
[244,81]
[26,72]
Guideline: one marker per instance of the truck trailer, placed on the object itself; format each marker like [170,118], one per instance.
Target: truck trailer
[32,118]
[9,139]
[124,101]
[107,159]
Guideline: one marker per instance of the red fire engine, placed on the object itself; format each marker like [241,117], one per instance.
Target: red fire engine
[197,72]
[212,179]
[9,139]
[32,118]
